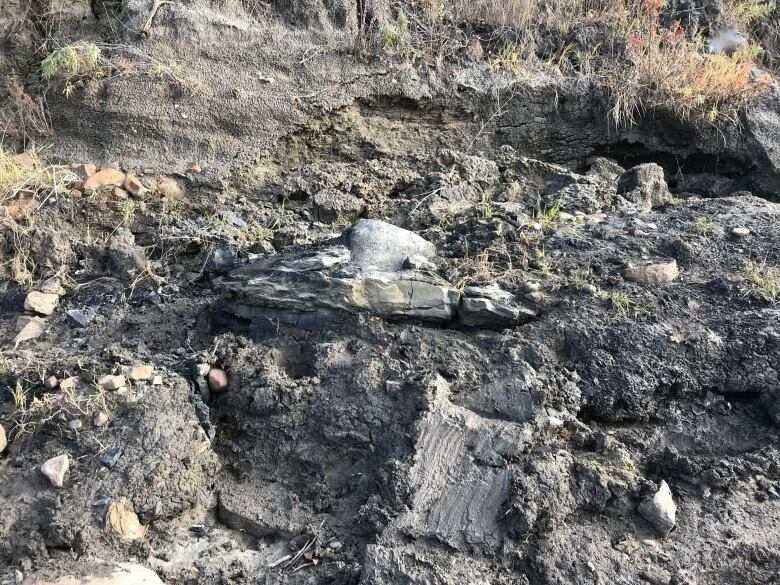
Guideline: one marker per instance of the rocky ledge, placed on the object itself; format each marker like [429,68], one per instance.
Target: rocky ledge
[374,267]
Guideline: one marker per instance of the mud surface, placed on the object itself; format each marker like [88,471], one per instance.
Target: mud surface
[359,444]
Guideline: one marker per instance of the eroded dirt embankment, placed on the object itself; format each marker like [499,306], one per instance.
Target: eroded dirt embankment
[515,401]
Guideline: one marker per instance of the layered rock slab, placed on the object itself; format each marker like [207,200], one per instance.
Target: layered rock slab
[369,275]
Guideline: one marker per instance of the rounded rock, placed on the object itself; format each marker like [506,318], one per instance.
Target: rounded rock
[55,469]
[217,379]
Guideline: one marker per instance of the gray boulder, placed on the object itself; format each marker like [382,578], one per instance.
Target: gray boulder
[382,246]
[645,186]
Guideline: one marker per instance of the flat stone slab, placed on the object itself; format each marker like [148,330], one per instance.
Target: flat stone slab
[373,275]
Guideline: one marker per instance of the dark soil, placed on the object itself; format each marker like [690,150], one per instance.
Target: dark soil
[390,451]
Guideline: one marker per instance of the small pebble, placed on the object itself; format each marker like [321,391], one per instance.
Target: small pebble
[217,380]
[202,370]
[112,382]
[51,382]
[3,439]
[740,232]
[55,469]
[157,381]
[138,373]
[75,425]
[101,419]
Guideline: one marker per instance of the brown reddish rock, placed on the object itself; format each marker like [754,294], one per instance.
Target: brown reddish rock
[104,178]
[84,171]
[122,520]
[133,185]
[138,373]
[217,379]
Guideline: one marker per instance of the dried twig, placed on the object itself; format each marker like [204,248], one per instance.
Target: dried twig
[148,24]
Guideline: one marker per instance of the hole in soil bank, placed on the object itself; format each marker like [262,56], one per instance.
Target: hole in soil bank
[727,172]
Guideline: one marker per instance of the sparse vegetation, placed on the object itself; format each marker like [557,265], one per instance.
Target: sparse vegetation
[763,280]
[30,414]
[71,63]
[26,171]
[621,302]
[641,64]
[702,226]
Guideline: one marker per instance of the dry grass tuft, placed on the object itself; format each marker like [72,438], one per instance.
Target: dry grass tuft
[669,71]
[763,280]
[27,172]
[30,414]
[619,45]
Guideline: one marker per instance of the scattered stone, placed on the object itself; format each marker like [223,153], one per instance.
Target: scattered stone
[55,469]
[379,245]
[740,232]
[335,545]
[590,289]
[101,573]
[75,425]
[653,272]
[202,370]
[31,328]
[111,382]
[101,419]
[645,185]
[84,171]
[111,457]
[79,317]
[218,380]
[157,381]
[660,510]
[3,439]
[139,373]
[41,303]
[51,383]
[223,260]
[104,178]
[122,520]
[52,286]
[119,193]
[133,186]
